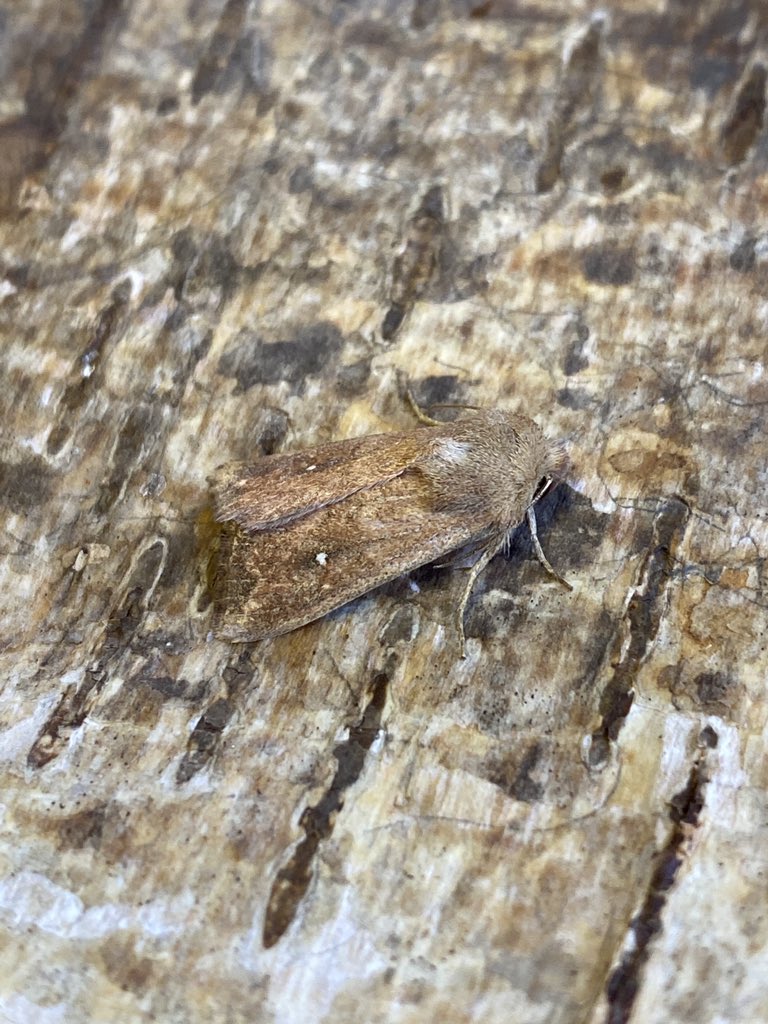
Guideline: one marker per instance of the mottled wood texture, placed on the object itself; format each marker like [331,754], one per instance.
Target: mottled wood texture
[226,227]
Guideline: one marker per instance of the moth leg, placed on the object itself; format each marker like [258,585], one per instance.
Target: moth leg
[490,552]
[531,517]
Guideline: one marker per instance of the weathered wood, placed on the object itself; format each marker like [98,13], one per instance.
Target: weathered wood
[226,228]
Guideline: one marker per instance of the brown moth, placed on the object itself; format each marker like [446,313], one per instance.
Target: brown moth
[309,531]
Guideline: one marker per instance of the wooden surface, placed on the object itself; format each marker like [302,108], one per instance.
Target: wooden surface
[226,228]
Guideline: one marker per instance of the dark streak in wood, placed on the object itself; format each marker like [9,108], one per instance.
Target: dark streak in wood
[576,93]
[294,877]
[412,270]
[625,980]
[643,618]
[746,118]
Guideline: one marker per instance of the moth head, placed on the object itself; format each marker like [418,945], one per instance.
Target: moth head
[552,468]
[494,465]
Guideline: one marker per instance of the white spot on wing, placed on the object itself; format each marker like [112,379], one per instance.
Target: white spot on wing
[321,557]
[308,469]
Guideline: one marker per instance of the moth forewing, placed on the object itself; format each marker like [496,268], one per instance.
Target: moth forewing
[277,488]
[280,578]
[307,532]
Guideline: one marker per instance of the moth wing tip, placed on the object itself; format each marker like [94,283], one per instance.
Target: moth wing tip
[227,483]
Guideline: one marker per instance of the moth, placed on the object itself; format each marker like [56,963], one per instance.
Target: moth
[308,531]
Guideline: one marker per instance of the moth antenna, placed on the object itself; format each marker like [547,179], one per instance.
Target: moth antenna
[418,412]
[531,517]
[456,405]
[423,417]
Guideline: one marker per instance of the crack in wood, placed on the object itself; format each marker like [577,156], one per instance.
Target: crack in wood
[640,626]
[77,701]
[746,119]
[70,712]
[223,44]
[685,813]
[86,372]
[293,878]
[413,268]
[579,85]
[204,739]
